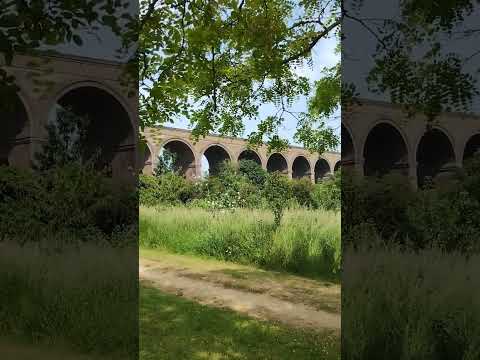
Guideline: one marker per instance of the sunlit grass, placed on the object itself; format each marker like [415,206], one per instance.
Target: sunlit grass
[307,242]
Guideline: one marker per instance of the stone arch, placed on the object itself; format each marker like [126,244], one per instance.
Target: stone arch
[216,154]
[184,153]
[249,154]
[277,162]
[101,86]
[435,155]
[110,130]
[14,130]
[472,147]
[147,159]
[322,169]
[385,150]
[347,147]
[301,168]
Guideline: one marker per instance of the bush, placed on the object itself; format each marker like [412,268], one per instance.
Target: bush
[174,189]
[66,201]
[445,218]
[277,192]
[242,187]
[149,190]
[442,215]
[327,193]
[302,191]
[379,201]
[253,172]
[229,190]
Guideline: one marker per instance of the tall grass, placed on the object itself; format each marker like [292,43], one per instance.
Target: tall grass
[307,242]
[406,305]
[85,297]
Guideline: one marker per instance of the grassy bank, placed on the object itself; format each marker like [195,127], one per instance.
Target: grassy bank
[306,243]
[405,305]
[174,328]
[70,297]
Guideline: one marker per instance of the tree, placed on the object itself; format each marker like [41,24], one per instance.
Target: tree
[277,192]
[216,62]
[65,143]
[415,63]
[167,163]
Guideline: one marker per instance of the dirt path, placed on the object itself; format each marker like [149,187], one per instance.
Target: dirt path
[260,294]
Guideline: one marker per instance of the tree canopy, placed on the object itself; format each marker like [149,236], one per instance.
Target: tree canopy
[417,61]
[26,26]
[215,62]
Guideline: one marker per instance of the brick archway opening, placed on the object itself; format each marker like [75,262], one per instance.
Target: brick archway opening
[13,122]
[215,156]
[472,148]
[109,132]
[183,157]
[338,166]
[385,151]
[277,162]
[435,155]
[301,168]
[250,155]
[322,169]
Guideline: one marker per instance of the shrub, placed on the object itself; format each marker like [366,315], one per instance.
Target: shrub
[174,189]
[63,202]
[446,218]
[277,192]
[253,172]
[379,201]
[149,190]
[327,193]
[302,191]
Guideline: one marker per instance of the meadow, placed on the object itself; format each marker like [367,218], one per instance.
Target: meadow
[404,304]
[69,299]
[307,242]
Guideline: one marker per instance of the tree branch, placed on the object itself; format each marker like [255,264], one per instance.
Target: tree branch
[314,42]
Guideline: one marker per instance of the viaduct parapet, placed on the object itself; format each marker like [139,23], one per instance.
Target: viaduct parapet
[295,162]
[378,138]
[91,88]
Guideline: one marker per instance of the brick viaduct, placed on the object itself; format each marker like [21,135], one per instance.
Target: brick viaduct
[88,87]
[378,138]
[295,162]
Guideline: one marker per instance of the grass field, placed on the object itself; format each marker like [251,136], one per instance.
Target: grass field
[307,242]
[410,305]
[173,328]
[70,298]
